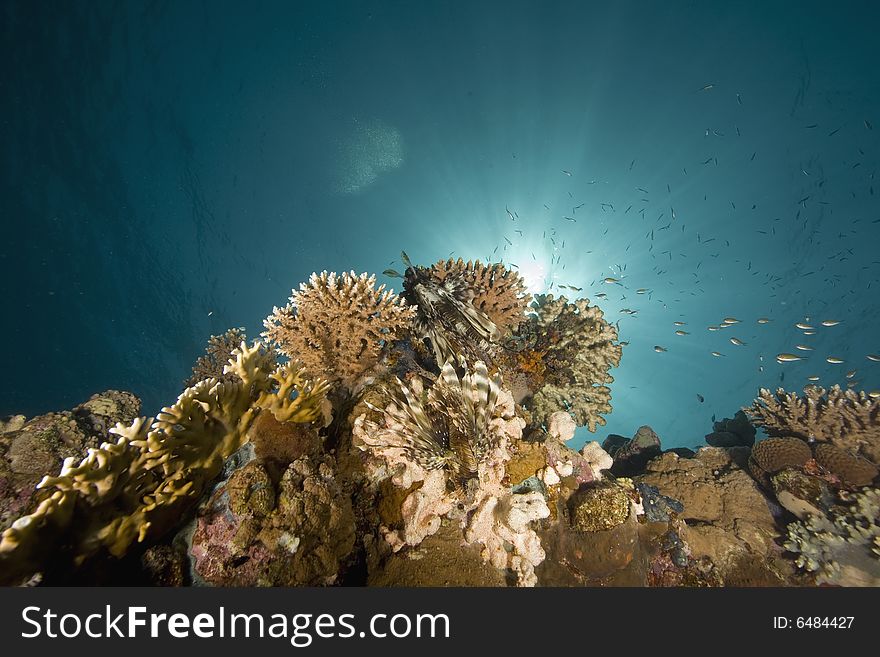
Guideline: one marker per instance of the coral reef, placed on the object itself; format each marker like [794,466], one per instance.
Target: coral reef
[447,448]
[565,349]
[31,448]
[728,518]
[254,533]
[337,325]
[218,351]
[138,486]
[847,419]
[841,547]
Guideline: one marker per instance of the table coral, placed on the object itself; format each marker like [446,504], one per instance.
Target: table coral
[137,486]
[336,325]
[847,419]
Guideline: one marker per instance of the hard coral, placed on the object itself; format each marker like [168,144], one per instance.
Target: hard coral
[577,348]
[847,419]
[217,353]
[852,470]
[841,547]
[136,487]
[448,448]
[774,454]
[337,325]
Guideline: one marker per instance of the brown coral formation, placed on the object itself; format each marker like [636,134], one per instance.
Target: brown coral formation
[570,348]
[337,325]
[847,419]
[852,470]
[256,533]
[774,454]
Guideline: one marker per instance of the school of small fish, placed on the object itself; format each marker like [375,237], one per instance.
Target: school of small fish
[671,259]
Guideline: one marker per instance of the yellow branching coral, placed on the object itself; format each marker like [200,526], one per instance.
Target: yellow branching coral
[137,487]
[847,419]
[336,325]
[577,348]
[497,291]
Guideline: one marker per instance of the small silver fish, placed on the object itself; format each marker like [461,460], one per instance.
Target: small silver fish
[830,322]
[763,320]
[803,347]
[609,279]
[850,374]
[679,323]
[713,328]
[804,327]
[730,320]
[682,333]
[873,357]
[874,394]
[812,378]
[659,349]
[787,358]
[834,360]
[737,342]
[717,354]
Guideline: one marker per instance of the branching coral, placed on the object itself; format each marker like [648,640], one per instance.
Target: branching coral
[847,419]
[217,353]
[843,546]
[138,486]
[448,446]
[577,349]
[336,325]
[465,309]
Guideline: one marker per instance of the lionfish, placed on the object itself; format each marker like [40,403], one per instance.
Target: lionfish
[447,316]
[450,429]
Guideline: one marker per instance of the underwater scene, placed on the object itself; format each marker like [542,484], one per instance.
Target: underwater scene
[440,293]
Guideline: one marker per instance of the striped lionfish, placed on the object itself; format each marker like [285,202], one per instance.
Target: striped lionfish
[447,316]
[448,429]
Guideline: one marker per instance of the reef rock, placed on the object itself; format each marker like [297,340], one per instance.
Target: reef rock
[631,457]
[726,513]
[732,432]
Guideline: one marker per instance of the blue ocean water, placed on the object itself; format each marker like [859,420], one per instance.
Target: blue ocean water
[173,169]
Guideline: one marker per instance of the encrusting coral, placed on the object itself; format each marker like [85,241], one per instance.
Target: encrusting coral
[464,309]
[336,325]
[847,419]
[576,348]
[447,447]
[138,486]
